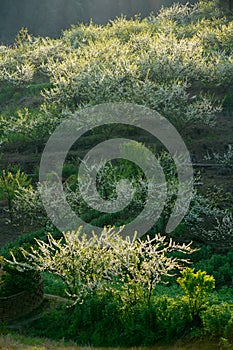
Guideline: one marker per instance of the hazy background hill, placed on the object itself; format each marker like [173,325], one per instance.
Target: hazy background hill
[49,17]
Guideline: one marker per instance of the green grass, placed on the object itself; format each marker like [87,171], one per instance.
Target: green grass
[14,341]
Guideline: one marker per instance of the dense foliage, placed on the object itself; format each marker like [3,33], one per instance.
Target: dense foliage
[177,63]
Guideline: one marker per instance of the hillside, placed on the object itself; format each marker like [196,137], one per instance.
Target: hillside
[178,63]
[116,193]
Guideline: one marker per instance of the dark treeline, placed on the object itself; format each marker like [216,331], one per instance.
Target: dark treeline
[49,17]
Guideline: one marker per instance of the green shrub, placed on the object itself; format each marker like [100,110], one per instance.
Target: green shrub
[69,169]
[220,266]
[86,324]
[89,323]
[53,285]
[197,288]
[13,280]
[172,317]
[228,330]
[215,319]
